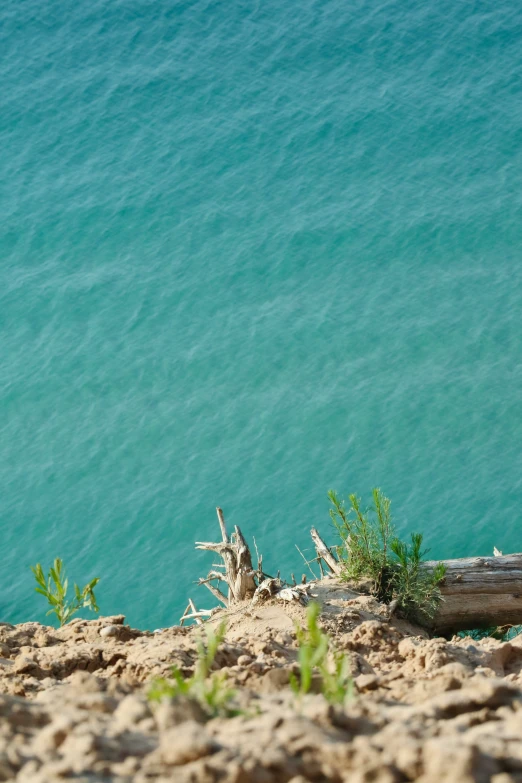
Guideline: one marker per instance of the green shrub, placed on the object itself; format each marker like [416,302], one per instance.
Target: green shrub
[209,690]
[55,587]
[366,536]
[317,654]
[370,549]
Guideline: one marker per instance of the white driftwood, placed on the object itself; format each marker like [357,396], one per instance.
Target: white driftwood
[245,586]
[239,572]
[191,613]
[476,591]
[266,589]
[199,616]
[324,553]
[195,613]
[294,594]
[222,525]
[226,551]
[479,592]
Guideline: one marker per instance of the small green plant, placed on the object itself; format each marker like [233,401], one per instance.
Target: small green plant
[365,535]
[55,587]
[370,549]
[316,654]
[416,588]
[209,690]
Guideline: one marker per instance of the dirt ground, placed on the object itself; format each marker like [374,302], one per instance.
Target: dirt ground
[74,706]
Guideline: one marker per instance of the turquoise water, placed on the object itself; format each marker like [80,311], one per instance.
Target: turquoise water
[250,252]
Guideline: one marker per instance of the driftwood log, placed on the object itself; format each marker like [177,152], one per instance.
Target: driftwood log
[479,592]
[476,591]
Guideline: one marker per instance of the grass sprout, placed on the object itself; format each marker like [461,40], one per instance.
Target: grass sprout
[210,690]
[317,655]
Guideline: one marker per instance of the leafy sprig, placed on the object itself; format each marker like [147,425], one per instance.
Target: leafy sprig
[54,588]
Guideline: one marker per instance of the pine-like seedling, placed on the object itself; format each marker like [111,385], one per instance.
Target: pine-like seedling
[370,550]
[415,587]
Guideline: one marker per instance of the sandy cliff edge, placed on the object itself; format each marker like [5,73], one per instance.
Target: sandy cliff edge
[73,703]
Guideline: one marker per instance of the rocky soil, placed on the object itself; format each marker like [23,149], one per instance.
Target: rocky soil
[73,703]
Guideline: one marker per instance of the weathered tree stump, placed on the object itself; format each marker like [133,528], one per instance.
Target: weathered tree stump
[239,572]
[244,583]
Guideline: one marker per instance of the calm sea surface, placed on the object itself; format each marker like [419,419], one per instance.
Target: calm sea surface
[251,251]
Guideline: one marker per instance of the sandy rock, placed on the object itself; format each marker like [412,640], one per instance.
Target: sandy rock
[26,663]
[84,682]
[275,679]
[52,736]
[187,742]
[367,682]
[131,710]
[450,760]
[171,713]
[455,669]
[480,693]
[409,758]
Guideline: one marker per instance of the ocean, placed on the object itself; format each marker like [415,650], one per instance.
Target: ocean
[250,252]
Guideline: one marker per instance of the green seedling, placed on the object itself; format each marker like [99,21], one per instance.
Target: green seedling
[365,536]
[370,549]
[55,587]
[337,681]
[209,690]
[317,655]
[415,587]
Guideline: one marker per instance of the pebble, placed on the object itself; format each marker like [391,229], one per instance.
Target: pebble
[109,630]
